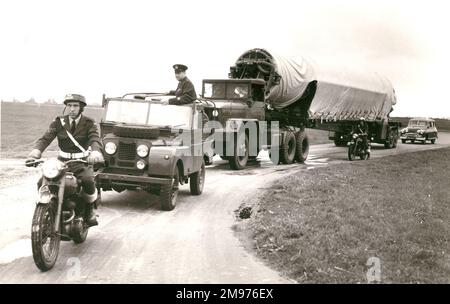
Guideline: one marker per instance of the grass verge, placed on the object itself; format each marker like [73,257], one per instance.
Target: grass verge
[323,225]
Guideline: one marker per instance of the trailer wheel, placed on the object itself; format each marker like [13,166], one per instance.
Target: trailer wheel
[240,156]
[394,144]
[301,146]
[288,148]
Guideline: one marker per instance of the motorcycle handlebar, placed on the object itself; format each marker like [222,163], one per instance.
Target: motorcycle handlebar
[36,162]
[33,162]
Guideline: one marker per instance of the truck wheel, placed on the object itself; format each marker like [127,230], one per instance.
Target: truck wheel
[433,141]
[301,146]
[240,148]
[288,148]
[403,141]
[339,143]
[388,144]
[169,193]
[197,181]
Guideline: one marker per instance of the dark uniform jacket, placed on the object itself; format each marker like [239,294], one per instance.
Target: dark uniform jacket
[185,93]
[86,133]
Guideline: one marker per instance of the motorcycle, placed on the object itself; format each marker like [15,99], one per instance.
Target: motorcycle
[60,213]
[356,147]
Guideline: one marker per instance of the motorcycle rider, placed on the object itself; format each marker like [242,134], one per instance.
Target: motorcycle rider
[78,138]
[363,128]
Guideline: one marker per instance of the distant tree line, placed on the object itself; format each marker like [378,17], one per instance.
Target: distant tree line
[51,101]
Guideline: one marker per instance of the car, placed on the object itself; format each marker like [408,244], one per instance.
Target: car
[420,129]
[153,146]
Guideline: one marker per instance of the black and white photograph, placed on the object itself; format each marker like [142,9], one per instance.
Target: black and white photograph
[225,143]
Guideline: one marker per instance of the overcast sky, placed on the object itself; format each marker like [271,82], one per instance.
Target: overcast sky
[50,48]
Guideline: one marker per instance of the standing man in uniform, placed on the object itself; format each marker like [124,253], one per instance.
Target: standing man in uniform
[78,138]
[185,92]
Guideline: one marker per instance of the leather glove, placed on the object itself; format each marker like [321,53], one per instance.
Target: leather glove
[30,162]
[35,154]
[95,157]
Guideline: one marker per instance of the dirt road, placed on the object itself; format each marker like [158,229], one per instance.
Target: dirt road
[136,242]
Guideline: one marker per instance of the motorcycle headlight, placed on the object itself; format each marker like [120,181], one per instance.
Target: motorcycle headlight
[110,148]
[355,136]
[142,150]
[52,168]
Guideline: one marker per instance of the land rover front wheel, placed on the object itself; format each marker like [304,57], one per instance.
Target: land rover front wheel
[169,193]
[197,181]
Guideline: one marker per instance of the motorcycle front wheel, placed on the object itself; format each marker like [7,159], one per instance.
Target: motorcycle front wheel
[351,153]
[44,242]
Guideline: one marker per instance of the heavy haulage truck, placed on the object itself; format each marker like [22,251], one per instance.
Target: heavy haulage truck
[268,101]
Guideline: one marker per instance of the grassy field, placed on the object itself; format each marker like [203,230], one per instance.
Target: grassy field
[23,124]
[322,225]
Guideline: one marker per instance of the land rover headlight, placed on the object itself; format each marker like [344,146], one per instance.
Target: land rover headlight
[355,136]
[140,164]
[52,168]
[215,113]
[142,150]
[110,148]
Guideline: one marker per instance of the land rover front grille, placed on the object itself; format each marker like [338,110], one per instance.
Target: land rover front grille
[127,151]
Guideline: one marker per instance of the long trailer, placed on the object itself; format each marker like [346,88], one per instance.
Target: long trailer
[266,104]
[343,97]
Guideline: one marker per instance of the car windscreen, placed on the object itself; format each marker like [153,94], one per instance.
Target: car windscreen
[221,90]
[144,113]
[417,123]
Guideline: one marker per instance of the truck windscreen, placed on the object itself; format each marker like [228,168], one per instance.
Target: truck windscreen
[221,90]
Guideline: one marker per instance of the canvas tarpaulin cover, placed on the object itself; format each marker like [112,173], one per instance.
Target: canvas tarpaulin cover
[349,95]
[296,74]
[341,94]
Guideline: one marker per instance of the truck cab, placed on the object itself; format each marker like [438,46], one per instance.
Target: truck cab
[235,98]
[248,124]
[152,146]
